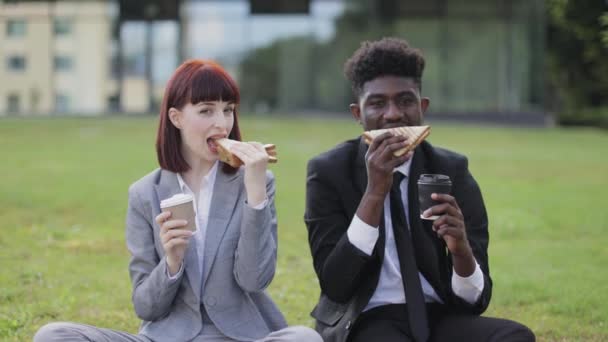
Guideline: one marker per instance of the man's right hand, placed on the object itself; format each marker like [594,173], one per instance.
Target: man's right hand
[174,240]
[381,161]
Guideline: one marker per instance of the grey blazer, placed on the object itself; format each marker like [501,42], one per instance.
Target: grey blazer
[240,256]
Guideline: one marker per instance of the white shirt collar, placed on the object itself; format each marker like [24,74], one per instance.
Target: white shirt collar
[405,167]
[209,178]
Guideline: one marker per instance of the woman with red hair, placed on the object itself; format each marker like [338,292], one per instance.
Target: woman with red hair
[208,284]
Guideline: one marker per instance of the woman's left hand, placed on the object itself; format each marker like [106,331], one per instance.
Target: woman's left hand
[255,159]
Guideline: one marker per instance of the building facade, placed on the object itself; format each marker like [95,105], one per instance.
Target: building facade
[55,58]
[95,57]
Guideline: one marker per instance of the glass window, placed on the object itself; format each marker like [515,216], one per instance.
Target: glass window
[15,63]
[62,103]
[15,28]
[62,26]
[164,57]
[13,103]
[63,63]
[133,36]
[114,103]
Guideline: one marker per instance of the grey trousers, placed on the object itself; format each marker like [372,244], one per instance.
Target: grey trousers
[72,332]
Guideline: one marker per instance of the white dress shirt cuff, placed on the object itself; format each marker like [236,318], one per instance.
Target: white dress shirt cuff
[468,288]
[176,275]
[261,205]
[362,235]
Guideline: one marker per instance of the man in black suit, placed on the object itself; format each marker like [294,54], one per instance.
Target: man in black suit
[385,273]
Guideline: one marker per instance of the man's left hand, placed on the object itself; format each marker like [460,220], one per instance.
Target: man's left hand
[450,225]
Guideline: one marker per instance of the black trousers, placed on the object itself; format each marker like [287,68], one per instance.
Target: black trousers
[388,323]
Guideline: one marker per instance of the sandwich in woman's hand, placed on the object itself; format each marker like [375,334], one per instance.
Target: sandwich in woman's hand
[224,150]
[415,135]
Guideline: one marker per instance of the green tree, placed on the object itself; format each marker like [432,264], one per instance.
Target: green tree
[604,21]
[301,72]
[577,59]
[259,78]
[277,77]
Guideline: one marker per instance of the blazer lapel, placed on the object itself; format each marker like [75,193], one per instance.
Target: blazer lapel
[360,170]
[427,245]
[167,187]
[226,191]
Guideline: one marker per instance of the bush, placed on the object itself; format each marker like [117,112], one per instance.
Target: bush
[596,117]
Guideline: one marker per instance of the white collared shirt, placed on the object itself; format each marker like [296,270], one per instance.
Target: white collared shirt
[390,285]
[201,206]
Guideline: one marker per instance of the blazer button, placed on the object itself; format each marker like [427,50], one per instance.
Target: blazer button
[347,327]
[211,301]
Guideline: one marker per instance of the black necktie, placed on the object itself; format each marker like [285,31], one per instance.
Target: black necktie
[416,307]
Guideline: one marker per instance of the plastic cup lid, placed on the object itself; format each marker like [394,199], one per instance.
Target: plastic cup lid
[434,179]
[176,200]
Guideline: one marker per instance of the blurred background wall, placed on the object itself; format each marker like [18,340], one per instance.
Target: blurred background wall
[485,58]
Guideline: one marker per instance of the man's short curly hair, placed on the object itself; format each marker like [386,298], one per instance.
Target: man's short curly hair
[385,57]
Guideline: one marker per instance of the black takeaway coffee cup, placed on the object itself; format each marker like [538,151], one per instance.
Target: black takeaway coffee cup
[429,184]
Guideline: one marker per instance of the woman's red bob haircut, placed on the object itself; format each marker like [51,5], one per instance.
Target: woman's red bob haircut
[193,82]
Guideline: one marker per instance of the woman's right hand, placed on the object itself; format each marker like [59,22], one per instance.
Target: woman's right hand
[175,240]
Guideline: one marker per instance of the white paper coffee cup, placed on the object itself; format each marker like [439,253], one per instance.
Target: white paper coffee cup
[181,207]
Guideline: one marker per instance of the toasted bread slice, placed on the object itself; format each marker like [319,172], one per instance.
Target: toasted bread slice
[223,149]
[416,135]
[225,155]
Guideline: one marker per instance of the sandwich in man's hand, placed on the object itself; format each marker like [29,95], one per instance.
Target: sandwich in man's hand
[415,135]
[224,147]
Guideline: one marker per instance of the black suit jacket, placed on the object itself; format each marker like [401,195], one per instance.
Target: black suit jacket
[335,184]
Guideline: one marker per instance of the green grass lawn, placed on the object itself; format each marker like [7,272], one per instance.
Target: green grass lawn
[63,198]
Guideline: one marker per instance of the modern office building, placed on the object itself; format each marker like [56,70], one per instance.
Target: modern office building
[94,57]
